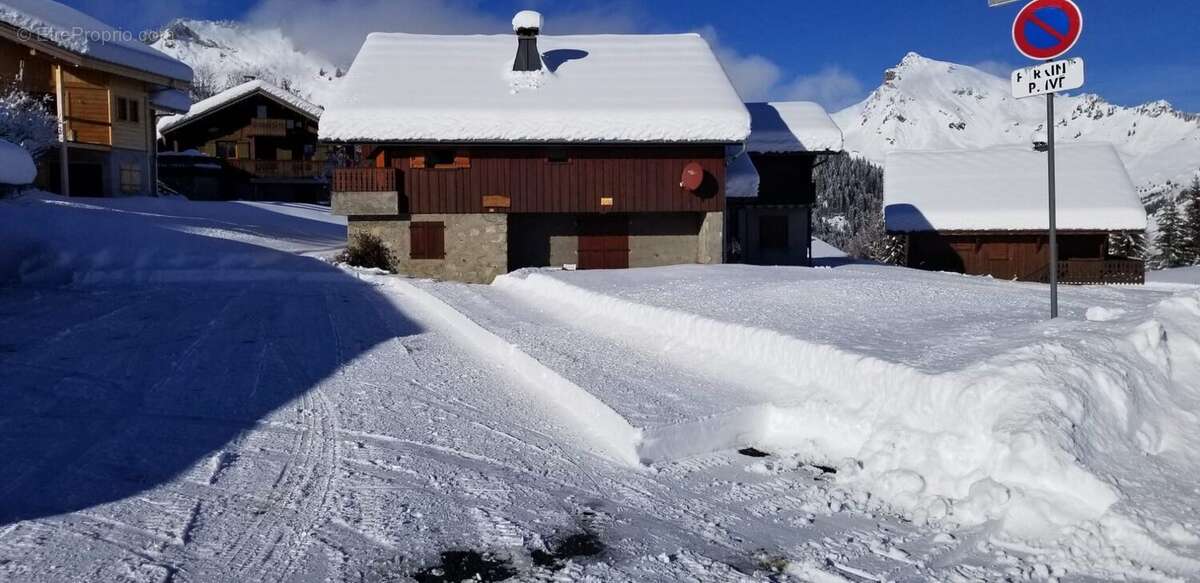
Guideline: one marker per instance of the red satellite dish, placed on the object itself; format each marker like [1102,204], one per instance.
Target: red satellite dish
[693,177]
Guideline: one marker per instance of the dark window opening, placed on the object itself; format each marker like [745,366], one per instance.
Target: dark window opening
[427,240]
[440,158]
[135,111]
[558,157]
[262,111]
[122,109]
[773,232]
[227,150]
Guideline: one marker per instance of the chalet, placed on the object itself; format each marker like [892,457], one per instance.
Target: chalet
[771,191]
[985,212]
[105,87]
[488,153]
[264,138]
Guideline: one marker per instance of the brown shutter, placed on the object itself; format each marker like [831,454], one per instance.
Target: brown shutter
[427,240]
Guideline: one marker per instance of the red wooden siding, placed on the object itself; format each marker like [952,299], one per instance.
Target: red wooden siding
[638,179]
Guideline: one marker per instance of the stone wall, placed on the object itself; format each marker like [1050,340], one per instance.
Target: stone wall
[476,245]
[664,239]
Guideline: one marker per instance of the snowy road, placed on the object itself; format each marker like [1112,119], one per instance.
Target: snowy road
[189,395]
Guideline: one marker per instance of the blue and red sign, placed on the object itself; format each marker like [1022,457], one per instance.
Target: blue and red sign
[1047,29]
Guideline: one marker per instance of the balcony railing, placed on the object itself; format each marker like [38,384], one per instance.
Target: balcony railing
[364,180]
[268,127]
[280,168]
[1098,272]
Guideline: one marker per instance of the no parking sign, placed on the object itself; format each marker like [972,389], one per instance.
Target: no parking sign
[1047,29]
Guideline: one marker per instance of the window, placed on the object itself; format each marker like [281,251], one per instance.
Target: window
[122,109]
[131,178]
[773,232]
[558,156]
[441,159]
[262,112]
[427,240]
[283,154]
[129,110]
[227,150]
[135,111]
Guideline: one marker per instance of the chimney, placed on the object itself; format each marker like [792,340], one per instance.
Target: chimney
[527,24]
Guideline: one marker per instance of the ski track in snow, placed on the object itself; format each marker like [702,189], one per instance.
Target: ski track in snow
[310,424]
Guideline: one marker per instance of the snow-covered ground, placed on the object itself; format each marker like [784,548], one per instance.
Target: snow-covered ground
[194,393]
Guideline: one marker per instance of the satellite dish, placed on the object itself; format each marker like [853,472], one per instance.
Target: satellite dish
[693,177]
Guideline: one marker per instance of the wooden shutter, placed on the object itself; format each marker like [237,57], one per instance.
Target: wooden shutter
[427,240]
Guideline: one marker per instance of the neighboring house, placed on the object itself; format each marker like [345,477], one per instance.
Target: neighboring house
[600,151]
[771,193]
[105,88]
[265,137]
[985,212]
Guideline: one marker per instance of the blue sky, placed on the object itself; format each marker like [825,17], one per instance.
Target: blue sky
[834,52]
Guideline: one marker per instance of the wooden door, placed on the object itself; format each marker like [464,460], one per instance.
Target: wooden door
[604,242]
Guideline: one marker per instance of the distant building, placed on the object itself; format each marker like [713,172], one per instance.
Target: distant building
[771,191]
[105,89]
[599,151]
[985,212]
[264,137]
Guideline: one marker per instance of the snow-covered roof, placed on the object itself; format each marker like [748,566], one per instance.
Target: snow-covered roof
[16,165]
[235,94]
[170,100]
[1005,189]
[79,33]
[741,177]
[792,126]
[595,88]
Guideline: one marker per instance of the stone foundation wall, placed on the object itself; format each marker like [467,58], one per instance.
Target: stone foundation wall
[476,245]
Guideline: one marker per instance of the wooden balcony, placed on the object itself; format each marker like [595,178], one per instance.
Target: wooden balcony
[280,169]
[266,127]
[1098,272]
[364,180]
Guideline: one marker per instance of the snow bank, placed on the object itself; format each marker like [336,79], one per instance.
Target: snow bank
[47,239]
[617,88]
[1044,440]
[1005,188]
[80,33]
[16,165]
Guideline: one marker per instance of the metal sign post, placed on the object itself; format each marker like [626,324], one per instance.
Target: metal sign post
[1045,30]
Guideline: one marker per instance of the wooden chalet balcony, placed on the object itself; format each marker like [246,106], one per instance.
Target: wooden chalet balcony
[280,168]
[1098,272]
[267,127]
[364,180]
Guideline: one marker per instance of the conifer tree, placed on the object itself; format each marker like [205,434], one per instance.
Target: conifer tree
[1171,242]
[1191,222]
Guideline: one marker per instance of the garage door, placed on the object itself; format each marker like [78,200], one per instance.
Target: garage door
[604,242]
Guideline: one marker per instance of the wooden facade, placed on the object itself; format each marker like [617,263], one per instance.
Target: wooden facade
[268,149]
[1023,256]
[538,179]
[106,113]
[775,228]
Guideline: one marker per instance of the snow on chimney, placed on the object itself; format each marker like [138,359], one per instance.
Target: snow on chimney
[527,24]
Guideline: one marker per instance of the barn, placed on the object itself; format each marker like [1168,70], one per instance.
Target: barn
[985,212]
[482,154]
[771,191]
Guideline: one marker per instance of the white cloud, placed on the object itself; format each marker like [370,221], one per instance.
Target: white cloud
[832,87]
[758,78]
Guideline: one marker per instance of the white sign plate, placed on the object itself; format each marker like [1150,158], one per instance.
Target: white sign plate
[1051,77]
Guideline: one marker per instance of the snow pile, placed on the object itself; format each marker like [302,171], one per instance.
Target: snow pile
[1048,439]
[16,165]
[49,239]
[741,177]
[623,88]
[527,19]
[235,94]
[934,105]
[792,126]
[79,33]
[1005,188]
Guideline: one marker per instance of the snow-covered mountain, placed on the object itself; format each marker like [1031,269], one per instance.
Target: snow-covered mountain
[929,104]
[223,53]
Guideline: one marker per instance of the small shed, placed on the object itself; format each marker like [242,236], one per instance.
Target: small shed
[985,212]
[771,189]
